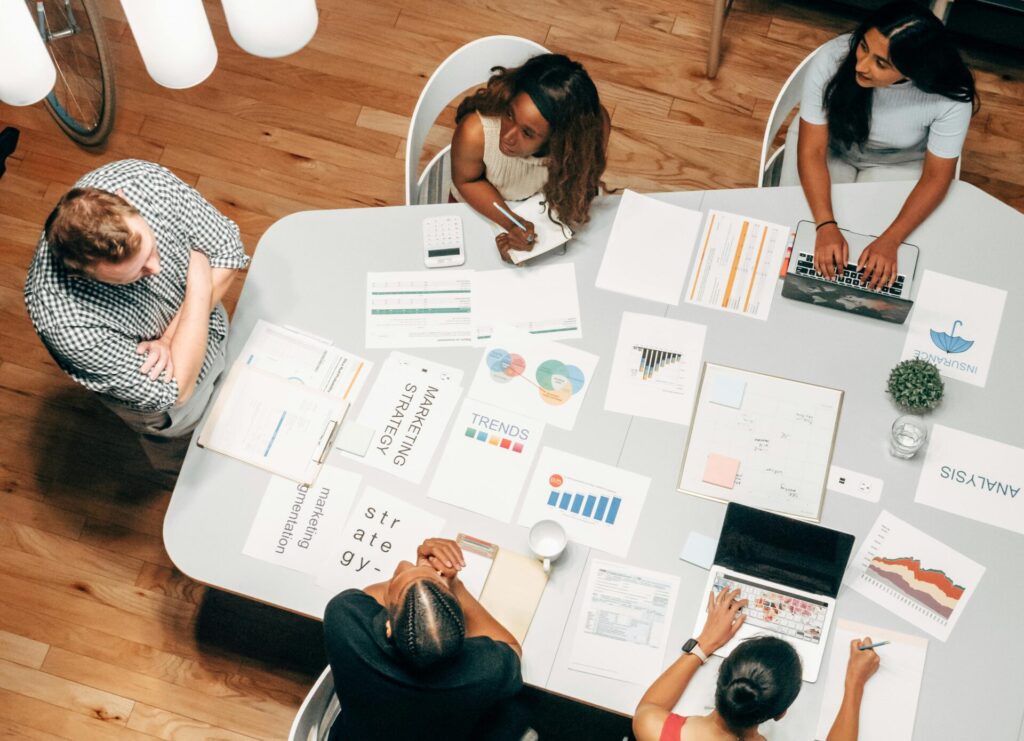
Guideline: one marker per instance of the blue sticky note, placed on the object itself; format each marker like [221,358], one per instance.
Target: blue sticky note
[728,390]
[699,550]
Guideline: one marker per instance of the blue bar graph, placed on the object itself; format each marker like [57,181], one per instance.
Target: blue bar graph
[593,507]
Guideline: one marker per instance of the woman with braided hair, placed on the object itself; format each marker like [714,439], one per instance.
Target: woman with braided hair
[536,127]
[416,656]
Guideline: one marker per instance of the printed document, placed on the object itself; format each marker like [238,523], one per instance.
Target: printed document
[301,357]
[423,308]
[278,425]
[737,264]
[550,234]
[649,249]
[623,626]
[542,301]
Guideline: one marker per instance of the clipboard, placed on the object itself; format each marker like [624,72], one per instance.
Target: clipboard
[280,426]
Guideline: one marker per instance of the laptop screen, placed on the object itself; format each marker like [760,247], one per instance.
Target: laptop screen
[776,548]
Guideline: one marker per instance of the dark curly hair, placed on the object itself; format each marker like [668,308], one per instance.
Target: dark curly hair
[567,98]
[759,681]
[427,624]
[919,47]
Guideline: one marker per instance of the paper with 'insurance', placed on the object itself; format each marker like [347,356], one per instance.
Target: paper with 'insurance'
[649,249]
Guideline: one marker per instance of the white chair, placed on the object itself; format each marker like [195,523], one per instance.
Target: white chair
[319,710]
[467,67]
[788,99]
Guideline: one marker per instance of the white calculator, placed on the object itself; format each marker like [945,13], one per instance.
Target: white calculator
[442,242]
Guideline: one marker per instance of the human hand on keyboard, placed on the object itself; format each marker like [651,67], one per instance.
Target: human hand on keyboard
[724,619]
[830,250]
[878,263]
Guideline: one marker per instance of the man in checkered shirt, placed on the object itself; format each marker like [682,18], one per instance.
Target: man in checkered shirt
[125,289]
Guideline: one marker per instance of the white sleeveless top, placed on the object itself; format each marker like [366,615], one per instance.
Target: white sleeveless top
[516,178]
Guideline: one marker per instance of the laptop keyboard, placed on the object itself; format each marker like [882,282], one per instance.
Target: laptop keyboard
[850,277]
[777,611]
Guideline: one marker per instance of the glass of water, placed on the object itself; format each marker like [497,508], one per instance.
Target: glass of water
[908,435]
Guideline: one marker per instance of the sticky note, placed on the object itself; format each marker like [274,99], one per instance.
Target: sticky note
[354,438]
[721,471]
[699,550]
[728,390]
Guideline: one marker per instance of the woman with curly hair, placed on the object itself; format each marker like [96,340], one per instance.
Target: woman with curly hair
[891,101]
[417,657]
[537,127]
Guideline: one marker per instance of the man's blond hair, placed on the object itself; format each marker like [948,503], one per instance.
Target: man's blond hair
[88,226]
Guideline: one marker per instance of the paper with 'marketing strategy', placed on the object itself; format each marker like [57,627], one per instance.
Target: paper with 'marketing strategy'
[656,368]
[486,459]
[955,325]
[295,524]
[542,301]
[737,264]
[408,407]
[973,477]
[622,631]
[649,249]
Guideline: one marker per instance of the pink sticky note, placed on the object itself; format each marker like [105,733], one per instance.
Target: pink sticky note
[721,471]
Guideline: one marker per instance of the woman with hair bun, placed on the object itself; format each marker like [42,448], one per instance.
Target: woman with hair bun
[417,657]
[536,127]
[757,682]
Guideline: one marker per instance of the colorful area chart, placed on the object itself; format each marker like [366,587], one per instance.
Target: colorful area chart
[556,381]
[931,588]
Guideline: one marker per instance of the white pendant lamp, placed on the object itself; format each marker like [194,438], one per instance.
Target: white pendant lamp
[27,73]
[174,39]
[271,28]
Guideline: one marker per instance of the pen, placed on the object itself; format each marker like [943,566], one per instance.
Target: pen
[515,221]
[873,645]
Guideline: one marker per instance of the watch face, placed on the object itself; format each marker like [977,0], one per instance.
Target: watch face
[689,645]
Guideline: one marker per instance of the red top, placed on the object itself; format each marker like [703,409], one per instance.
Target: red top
[673,725]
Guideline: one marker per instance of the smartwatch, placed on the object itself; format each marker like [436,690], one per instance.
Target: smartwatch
[693,648]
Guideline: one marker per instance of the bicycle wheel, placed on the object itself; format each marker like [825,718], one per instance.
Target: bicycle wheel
[82,99]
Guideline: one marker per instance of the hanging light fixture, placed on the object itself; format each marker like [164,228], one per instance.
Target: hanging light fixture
[27,74]
[271,28]
[174,39]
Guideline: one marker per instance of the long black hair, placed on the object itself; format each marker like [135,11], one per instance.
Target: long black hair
[919,48]
[427,624]
[759,681]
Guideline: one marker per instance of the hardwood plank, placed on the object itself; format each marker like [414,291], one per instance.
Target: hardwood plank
[38,719]
[40,515]
[64,693]
[20,650]
[164,724]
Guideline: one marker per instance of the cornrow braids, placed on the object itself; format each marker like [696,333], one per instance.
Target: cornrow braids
[428,624]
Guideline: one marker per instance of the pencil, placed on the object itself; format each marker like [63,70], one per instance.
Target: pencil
[515,221]
[873,645]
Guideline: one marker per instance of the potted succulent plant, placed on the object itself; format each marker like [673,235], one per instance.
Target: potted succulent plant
[915,386]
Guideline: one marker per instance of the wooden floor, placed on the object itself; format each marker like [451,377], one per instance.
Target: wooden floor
[100,637]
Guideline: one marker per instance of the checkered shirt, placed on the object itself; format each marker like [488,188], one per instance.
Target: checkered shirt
[92,328]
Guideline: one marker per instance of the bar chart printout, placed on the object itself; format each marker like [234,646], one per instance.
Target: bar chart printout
[598,505]
[914,575]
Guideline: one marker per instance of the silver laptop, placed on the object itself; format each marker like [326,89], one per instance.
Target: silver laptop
[847,292]
[790,571]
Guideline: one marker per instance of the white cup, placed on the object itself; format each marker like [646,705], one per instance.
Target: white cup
[547,542]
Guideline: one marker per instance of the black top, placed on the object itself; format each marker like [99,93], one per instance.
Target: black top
[383,698]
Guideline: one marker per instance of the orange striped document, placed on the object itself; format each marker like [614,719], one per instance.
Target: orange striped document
[737,264]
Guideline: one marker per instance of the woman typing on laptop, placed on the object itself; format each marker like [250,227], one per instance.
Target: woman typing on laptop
[756,683]
[891,101]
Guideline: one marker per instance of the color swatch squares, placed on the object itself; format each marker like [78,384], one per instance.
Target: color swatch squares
[721,470]
[728,391]
[500,442]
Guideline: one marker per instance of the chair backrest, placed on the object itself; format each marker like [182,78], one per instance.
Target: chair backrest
[787,99]
[466,67]
[318,712]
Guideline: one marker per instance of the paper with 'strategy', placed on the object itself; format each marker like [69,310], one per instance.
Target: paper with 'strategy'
[295,524]
[408,408]
[955,325]
[381,531]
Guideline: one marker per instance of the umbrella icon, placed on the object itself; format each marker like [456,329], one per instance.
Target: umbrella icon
[950,343]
